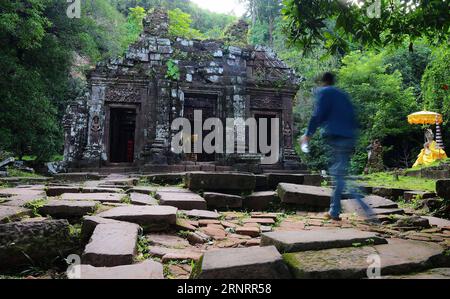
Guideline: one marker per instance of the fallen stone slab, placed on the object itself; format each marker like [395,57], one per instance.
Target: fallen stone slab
[10,213]
[214,231]
[181,200]
[112,244]
[165,178]
[373,201]
[142,199]
[77,176]
[438,273]
[391,193]
[122,182]
[89,224]
[166,240]
[260,201]
[439,222]
[220,182]
[100,197]
[7,192]
[396,257]
[274,179]
[198,237]
[152,190]
[54,191]
[68,209]
[293,241]
[309,196]
[145,270]
[383,212]
[39,240]
[222,201]
[251,231]
[97,189]
[202,214]
[412,195]
[235,263]
[20,200]
[259,220]
[151,218]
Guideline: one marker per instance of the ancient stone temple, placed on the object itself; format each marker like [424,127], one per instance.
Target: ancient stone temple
[132,101]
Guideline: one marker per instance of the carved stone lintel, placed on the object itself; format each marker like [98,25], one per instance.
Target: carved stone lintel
[123,95]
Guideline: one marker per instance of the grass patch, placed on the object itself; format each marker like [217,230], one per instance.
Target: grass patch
[389,180]
[35,205]
[434,164]
[13,172]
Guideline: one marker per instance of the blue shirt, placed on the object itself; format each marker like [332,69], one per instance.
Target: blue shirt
[335,113]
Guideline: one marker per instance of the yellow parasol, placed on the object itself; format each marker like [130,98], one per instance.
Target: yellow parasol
[425,118]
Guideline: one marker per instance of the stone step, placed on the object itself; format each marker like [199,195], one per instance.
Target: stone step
[54,191]
[142,199]
[145,270]
[183,200]
[100,197]
[68,209]
[7,192]
[309,196]
[222,201]
[260,201]
[20,200]
[439,222]
[165,178]
[396,257]
[391,193]
[77,176]
[112,244]
[151,218]
[220,182]
[11,213]
[274,179]
[412,195]
[202,214]
[248,263]
[89,224]
[293,241]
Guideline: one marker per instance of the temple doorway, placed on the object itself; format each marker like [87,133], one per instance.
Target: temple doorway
[207,103]
[122,135]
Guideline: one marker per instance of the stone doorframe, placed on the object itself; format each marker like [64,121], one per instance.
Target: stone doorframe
[278,114]
[106,136]
[219,105]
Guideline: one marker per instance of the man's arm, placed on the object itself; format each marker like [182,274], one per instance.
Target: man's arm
[318,117]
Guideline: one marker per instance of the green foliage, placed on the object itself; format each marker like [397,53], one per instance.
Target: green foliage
[134,24]
[180,25]
[209,23]
[381,101]
[436,83]
[340,23]
[173,71]
[35,205]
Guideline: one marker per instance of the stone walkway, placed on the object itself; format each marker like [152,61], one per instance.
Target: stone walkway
[124,226]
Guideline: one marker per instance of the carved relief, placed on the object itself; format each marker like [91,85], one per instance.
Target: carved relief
[95,130]
[123,95]
[265,103]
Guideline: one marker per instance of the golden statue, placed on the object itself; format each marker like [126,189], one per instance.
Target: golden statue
[431,151]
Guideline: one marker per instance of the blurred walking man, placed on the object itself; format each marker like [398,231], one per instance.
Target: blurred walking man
[334,112]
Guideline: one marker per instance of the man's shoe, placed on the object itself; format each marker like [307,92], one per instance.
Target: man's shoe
[328,216]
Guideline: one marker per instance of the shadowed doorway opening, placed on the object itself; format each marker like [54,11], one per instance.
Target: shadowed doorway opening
[122,133]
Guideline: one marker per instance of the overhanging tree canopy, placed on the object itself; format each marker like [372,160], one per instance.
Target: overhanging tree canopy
[339,23]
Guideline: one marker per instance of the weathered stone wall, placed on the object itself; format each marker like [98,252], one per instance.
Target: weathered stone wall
[242,78]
